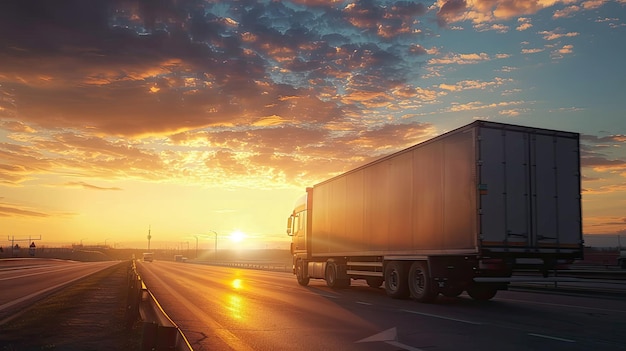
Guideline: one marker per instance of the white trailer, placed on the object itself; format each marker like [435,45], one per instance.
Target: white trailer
[459,212]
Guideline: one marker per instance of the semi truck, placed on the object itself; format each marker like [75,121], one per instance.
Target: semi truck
[461,212]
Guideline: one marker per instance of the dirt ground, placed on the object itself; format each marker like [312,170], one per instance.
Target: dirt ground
[89,315]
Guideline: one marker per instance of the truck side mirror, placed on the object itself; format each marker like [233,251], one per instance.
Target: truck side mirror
[289,223]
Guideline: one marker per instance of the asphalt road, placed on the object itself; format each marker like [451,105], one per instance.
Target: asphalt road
[220,308]
[25,280]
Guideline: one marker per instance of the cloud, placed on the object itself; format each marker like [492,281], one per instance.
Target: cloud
[553,35]
[606,224]
[566,12]
[483,27]
[460,59]
[593,4]
[487,11]
[524,24]
[16,126]
[477,105]
[162,90]
[565,50]
[474,84]
[595,153]
[224,92]
[532,51]
[612,22]
[90,186]
[126,70]
[449,11]
[14,211]
[387,22]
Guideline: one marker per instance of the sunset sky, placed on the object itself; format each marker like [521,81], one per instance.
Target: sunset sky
[199,117]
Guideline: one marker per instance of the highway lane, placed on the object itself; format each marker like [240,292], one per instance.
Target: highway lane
[220,308]
[25,280]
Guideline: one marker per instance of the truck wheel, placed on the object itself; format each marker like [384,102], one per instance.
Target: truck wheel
[481,292]
[396,282]
[421,285]
[302,280]
[374,282]
[331,276]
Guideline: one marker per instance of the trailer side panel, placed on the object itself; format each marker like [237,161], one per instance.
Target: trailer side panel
[420,201]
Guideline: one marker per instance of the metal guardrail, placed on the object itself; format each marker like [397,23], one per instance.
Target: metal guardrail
[260,265]
[584,272]
[159,332]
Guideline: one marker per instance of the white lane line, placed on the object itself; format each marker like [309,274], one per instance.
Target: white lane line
[364,303]
[550,337]
[443,317]
[39,273]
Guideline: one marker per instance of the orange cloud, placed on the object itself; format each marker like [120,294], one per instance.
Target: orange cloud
[486,11]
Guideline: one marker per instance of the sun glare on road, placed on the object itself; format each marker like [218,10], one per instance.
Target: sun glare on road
[237,236]
[236,284]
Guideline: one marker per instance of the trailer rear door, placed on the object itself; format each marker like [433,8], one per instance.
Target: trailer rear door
[529,187]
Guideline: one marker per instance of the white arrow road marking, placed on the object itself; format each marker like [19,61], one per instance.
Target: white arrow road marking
[389,336]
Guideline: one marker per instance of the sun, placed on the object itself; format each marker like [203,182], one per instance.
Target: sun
[237,236]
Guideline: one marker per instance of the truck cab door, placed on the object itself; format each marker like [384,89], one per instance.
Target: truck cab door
[299,232]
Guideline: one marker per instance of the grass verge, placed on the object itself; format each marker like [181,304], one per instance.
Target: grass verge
[87,315]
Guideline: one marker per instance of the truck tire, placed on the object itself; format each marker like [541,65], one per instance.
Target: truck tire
[300,275]
[332,276]
[374,282]
[422,287]
[482,292]
[396,280]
